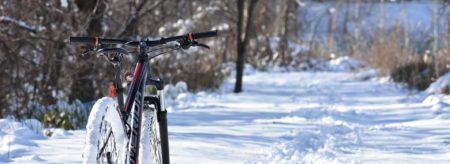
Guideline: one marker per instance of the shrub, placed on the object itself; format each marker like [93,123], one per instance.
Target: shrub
[65,116]
[58,119]
[416,74]
[445,90]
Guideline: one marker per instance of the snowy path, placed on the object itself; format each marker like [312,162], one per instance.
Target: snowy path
[292,118]
[310,117]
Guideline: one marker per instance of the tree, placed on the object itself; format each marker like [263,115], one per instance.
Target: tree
[283,46]
[243,27]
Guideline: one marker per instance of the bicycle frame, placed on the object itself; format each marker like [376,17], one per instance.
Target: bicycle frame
[131,112]
[135,103]
[135,95]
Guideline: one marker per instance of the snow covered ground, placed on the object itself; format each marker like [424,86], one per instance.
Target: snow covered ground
[281,117]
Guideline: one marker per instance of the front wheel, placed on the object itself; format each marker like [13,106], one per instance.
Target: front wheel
[155,136]
[106,139]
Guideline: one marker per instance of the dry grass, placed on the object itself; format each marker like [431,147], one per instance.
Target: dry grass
[199,71]
[414,64]
[406,60]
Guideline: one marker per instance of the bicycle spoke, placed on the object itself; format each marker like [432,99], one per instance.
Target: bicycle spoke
[108,150]
[104,145]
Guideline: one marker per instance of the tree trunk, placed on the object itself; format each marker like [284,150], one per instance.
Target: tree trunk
[242,39]
[332,25]
[284,34]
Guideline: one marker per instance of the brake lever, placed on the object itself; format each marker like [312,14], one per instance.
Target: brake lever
[186,44]
[200,45]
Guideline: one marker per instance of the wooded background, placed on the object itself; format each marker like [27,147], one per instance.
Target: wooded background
[38,68]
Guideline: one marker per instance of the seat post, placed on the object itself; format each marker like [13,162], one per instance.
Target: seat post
[117,83]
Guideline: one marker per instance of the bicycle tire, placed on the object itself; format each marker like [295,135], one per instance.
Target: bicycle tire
[106,139]
[159,142]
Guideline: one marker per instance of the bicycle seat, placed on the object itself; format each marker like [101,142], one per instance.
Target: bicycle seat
[156,81]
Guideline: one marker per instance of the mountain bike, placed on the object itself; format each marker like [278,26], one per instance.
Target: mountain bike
[117,130]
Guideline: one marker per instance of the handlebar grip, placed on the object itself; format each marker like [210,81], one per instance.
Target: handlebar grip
[204,34]
[90,40]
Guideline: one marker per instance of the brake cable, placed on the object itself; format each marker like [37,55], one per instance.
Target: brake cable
[171,48]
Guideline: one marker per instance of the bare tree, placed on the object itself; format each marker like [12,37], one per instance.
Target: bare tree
[283,46]
[243,27]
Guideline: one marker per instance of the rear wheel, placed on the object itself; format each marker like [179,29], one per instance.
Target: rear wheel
[155,122]
[105,137]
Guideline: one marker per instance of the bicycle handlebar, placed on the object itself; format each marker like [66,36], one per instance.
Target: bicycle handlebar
[148,43]
[94,40]
[204,34]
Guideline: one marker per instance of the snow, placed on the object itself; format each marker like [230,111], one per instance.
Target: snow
[145,148]
[181,27]
[336,64]
[60,133]
[221,27]
[64,3]
[181,87]
[170,91]
[440,84]
[177,96]
[334,116]
[345,64]
[367,74]
[440,105]
[16,139]
[99,111]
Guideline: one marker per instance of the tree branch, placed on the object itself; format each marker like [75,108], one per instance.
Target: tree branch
[19,23]
[157,4]
[136,15]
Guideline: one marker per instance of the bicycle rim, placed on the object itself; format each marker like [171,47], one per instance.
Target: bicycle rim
[159,138]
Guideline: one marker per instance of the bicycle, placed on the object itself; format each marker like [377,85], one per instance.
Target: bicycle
[115,129]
